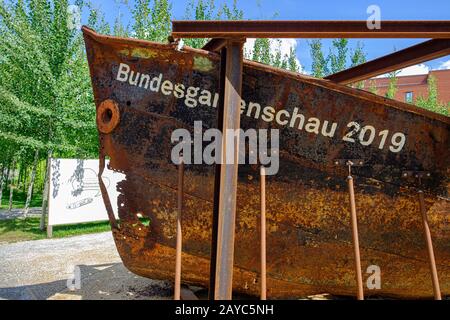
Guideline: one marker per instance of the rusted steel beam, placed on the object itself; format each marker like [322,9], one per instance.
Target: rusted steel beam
[432,260]
[229,171]
[421,52]
[310,29]
[263,234]
[217,169]
[354,220]
[177,290]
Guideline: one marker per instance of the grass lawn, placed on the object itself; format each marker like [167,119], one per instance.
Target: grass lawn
[20,229]
[19,199]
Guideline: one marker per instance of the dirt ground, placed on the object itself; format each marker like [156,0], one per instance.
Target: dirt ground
[43,269]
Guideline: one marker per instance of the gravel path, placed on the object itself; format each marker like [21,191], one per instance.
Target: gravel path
[40,269]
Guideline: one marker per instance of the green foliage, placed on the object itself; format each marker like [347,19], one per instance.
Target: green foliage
[45,94]
[338,56]
[431,102]
[392,87]
[96,20]
[357,57]
[152,19]
[19,199]
[119,29]
[337,59]
[292,62]
[319,63]
[207,10]
[268,51]
[233,13]
[262,53]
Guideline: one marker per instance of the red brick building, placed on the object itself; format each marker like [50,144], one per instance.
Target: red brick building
[409,88]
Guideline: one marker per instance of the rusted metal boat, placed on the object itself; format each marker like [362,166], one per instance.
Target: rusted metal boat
[144,90]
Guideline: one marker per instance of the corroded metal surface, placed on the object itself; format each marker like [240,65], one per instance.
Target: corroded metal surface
[309,248]
[309,29]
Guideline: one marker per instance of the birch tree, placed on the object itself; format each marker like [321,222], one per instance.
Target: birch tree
[152,19]
[31,184]
[45,92]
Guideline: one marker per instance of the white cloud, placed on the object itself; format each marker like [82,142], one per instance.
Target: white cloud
[444,65]
[413,70]
[285,46]
[410,71]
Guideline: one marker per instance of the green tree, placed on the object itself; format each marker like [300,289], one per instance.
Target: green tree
[319,62]
[337,59]
[338,55]
[262,52]
[206,10]
[119,29]
[357,57]
[152,19]
[233,13]
[392,87]
[431,102]
[45,92]
[292,62]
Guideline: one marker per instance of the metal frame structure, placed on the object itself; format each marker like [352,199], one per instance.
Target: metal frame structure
[227,39]
[309,29]
[425,51]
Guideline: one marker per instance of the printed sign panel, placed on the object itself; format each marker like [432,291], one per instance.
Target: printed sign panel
[75,195]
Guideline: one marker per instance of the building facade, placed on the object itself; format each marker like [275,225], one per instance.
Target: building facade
[409,88]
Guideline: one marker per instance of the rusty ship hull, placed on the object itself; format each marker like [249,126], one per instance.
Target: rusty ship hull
[309,244]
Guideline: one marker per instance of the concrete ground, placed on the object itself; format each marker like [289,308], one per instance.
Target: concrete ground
[47,269]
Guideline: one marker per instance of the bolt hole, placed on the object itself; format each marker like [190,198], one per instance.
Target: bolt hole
[107,116]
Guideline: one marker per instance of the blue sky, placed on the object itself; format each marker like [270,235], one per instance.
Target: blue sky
[325,10]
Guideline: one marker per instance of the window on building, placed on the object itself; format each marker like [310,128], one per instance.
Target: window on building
[409,96]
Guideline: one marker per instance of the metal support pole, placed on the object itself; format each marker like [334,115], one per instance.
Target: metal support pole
[427,233]
[263,234]
[215,217]
[229,171]
[354,221]
[177,290]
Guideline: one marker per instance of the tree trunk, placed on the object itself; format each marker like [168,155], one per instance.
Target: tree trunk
[19,177]
[2,178]
[30,186]
[4,182]
[46,187]
[11,184]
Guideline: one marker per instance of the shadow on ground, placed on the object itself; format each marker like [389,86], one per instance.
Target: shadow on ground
[98,282]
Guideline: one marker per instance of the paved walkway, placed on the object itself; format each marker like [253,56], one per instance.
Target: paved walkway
[16,213]
[40,269]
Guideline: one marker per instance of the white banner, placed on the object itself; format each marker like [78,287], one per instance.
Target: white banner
[75,195]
